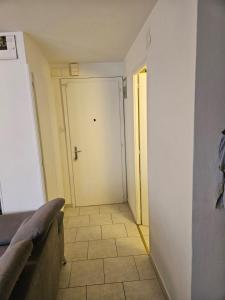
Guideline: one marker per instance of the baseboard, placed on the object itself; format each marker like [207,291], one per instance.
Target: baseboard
[165,293]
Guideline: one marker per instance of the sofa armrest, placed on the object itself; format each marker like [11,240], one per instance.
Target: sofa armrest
[9,224]
[60,217]
[12,263]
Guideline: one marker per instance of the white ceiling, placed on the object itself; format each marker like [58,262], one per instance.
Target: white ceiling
[78,30]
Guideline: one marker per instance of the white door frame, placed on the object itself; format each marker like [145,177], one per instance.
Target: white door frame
[69,159]
[136,145]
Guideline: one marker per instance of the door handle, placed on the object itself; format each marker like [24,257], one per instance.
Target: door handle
[76,151]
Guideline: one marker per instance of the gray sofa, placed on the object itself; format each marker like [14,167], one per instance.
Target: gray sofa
[31,253]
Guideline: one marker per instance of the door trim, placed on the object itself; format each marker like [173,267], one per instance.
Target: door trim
[69,159]
[136,103]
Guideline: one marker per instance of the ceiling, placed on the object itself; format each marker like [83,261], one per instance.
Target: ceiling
[78,30]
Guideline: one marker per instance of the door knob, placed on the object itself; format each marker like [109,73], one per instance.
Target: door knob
[76,151]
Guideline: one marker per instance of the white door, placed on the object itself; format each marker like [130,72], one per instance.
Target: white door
[93,108]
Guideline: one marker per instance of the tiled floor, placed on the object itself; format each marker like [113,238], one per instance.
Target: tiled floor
[106,259]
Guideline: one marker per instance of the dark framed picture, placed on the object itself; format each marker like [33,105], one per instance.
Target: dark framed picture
[3,43]
[8,47]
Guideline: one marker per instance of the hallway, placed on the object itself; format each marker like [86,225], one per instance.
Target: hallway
[106,258]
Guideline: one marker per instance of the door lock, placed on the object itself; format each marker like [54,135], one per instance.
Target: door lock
[76,151]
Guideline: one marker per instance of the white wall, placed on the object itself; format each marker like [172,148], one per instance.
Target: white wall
[40,69]
[20,171]
[171,87]
[208,265]
[59,72]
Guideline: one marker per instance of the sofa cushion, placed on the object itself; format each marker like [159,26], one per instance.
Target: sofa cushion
[12,263]
[9,224]
[36,227]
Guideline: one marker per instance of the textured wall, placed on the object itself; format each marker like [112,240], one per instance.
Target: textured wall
[170,60]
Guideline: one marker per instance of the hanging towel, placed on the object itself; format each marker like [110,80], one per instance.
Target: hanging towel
[220,194]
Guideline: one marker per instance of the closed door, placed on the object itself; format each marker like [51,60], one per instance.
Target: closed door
[95,140]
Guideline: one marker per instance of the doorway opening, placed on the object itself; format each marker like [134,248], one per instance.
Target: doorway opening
[141,159]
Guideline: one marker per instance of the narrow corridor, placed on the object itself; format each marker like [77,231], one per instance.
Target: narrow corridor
[106,258]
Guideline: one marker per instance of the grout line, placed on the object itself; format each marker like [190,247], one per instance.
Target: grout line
[126,229]
[124,290]
[136,268]
[75,239]
[88,249]
[70,275]
[116,247]
[80,259]
[108,283]
[111,282]
[103,264]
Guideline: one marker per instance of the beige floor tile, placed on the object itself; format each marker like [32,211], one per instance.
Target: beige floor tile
[78,221]
[89,210]
[102,249]
[143,290]
[70,235]
[112,291]
[78,293]
[113,231]
[76,251]
[66,221]
[144,266]
[122,217]
[59,295]
[65,275]
[123,206]
[130,246]
[120,269]
[88,233]
[132,229]
[87,272]
[109,209]
[100,219]
[71,212]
